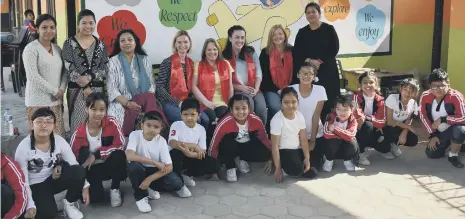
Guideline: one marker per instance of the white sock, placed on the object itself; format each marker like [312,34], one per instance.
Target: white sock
[453,154]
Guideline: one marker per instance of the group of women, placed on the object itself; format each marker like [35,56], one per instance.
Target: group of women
[238,97]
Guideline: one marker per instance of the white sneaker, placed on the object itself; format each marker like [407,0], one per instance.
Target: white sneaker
[349,165]
[71,210]
[231,175]
[389,156]
[395,149]
[153,194]
[328,165]
[143,205]
[184,192]
[188,181]
[242,165]
[363,160]
[115,198]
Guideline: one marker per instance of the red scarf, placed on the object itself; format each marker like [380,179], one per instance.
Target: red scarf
[178,87]
[281,73]
[206,79]
[251,70]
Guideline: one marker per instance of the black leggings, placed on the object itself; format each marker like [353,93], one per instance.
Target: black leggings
[455,134]
[367,136]
[252,151]
[338,148]
[114,169]
[8,198]
[192,166]
[72,179]
[137,173]
[213,115]
[391,135]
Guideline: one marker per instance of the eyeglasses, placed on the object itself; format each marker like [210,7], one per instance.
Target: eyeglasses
[306,74]
[442,87]
[46,122]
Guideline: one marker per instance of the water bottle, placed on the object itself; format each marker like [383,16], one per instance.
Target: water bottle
[8,128]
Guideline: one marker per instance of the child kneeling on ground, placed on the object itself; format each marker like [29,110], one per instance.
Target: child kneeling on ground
[150,167]
[188,145]
[239,137]
[340,130]
[291,152]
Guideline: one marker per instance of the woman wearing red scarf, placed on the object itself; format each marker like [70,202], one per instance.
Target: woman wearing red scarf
[174,80]
[276,63]
[247,75]
[212,82]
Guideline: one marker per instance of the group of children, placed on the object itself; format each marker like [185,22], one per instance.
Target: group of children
[300,146]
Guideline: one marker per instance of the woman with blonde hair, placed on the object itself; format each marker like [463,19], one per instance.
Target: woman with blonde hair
[276,63]
[175,78]
[212,81]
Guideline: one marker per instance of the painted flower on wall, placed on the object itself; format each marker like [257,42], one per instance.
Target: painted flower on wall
[109,26]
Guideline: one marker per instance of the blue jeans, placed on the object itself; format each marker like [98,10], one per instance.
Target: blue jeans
[173,114]
[273,101]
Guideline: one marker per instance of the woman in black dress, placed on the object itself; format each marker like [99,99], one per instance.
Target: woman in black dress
[318,43]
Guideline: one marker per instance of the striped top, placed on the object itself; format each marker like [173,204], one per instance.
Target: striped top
[163,83]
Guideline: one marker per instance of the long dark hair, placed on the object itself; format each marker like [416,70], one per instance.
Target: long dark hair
[117,46]
[84,13]
[228,51]
[94,97]
[43,112]
[237,97]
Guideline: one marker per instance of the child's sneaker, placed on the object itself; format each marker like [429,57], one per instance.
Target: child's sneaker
[349,165]
[153,194]
[231,175]
[143,205]
[328,165]
[388,155]
[184,192]
[242,165]
[188,181]
[395,149]
[71,210]
[115,198]
[363,160]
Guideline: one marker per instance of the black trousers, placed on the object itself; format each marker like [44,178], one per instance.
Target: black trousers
[114,169]
[191,166]
[252,151]
[455,134]
[338,148]
[367,136]
[391,135]
[8,199]
[137,173]
[72,179]
[219,112]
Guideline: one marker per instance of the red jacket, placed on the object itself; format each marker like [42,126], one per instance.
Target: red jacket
[347,134]
[453,103]
[379,116]
[112,138]
[227,125]
[14,177]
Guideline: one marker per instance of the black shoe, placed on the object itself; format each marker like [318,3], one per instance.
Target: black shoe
[310,174]
[454,160]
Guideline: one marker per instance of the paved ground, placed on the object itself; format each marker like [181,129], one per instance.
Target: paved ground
[411,186]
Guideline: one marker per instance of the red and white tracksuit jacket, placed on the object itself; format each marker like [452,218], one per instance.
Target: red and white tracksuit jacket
[347,134]
[13,176]
[379,116]
[112,138]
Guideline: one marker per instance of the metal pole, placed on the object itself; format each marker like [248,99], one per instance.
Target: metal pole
[437,34]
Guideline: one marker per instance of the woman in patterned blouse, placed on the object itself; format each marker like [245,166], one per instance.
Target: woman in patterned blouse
[85,57]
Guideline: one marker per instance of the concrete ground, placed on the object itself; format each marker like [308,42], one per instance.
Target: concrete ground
[411,186]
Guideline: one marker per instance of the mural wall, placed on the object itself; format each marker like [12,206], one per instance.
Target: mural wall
[363,25]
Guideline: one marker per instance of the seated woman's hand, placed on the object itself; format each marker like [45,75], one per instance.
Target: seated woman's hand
[83,80]
[210,105]
[133,105]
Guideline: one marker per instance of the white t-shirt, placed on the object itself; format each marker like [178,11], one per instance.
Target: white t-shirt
[243,134]
[94,142]
[179,131]
[37,165]
[156,149]
[288,130]
[438,114]
[307,107]
[368,105]
[400,115]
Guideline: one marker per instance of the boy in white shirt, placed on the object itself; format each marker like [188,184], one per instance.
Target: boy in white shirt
[188,145]
[150,168]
